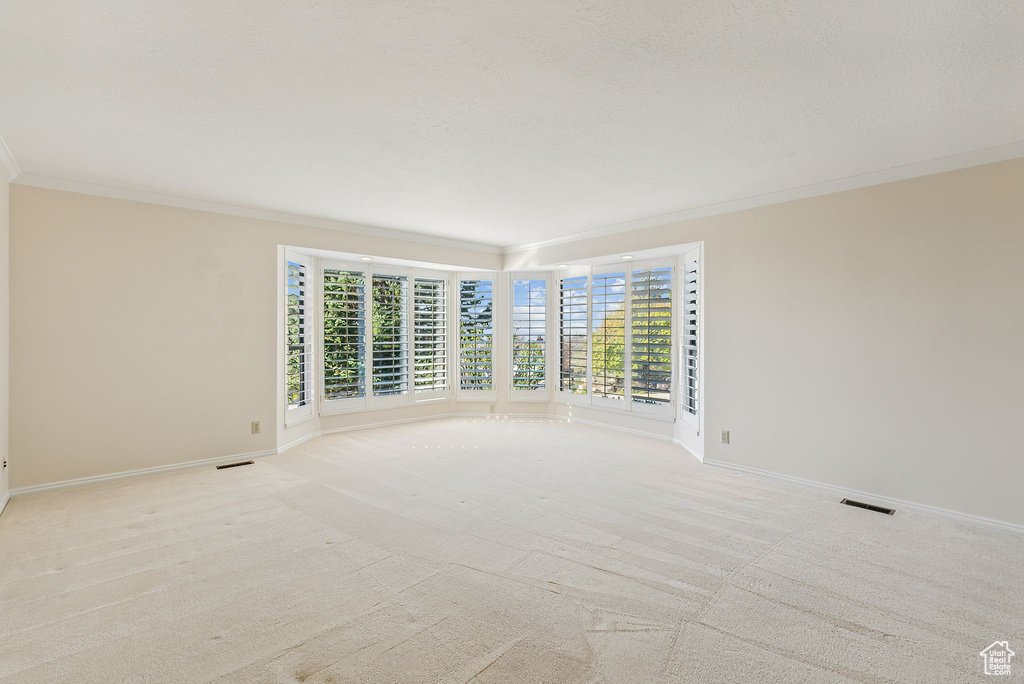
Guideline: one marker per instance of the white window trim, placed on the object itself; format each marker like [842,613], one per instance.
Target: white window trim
[480,395]
[295,415]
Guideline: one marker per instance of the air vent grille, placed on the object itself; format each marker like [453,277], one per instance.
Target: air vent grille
[234,465]
[867,506]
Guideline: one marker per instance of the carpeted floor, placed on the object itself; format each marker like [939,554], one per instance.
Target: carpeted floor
[492,551]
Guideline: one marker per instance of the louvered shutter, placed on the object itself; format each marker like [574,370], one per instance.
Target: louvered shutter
[572,322]
[390,321]
[344,335]
[476,300]
[651,336]
[430,334]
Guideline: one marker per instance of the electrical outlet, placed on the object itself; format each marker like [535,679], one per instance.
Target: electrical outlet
[725,436]
[255,427]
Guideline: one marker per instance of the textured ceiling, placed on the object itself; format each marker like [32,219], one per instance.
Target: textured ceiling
[500,123]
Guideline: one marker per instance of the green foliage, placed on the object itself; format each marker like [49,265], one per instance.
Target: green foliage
[344,340]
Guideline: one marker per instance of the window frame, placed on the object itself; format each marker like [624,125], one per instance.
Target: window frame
[300,414]
[542,394]
[466,394]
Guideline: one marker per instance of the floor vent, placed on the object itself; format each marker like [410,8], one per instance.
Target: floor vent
[867,506]
[234,465]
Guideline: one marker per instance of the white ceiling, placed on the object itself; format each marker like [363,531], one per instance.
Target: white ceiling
[500,123]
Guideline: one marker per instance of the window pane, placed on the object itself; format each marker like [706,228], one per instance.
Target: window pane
[297,361]
[608,335]
[430,334]
[390,335]
[529,334]
[651,341]
[344,334]
[572,317]
[475,334]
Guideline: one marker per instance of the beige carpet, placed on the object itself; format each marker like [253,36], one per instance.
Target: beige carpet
[492,551]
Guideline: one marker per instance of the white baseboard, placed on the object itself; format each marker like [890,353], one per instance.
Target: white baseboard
[699,457]
[64,484]
[417,419]
[3,502]
[868,497]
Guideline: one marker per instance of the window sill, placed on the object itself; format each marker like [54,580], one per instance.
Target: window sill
[292,422]
[664,418]
[389,406]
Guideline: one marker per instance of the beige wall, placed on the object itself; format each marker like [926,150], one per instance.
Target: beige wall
[869,339]
[147,335]
[5,329]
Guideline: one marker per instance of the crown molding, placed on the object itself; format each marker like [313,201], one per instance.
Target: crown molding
[989,155]
[113,192]
[896,173]
[8,166]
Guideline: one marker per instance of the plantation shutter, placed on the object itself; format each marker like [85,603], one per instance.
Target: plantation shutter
[390,351]
[298,360]
[430,334]
[476,299]
[344,334]
[691,333]
[529,334]
[651,336]
[572,321]
[608,335]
